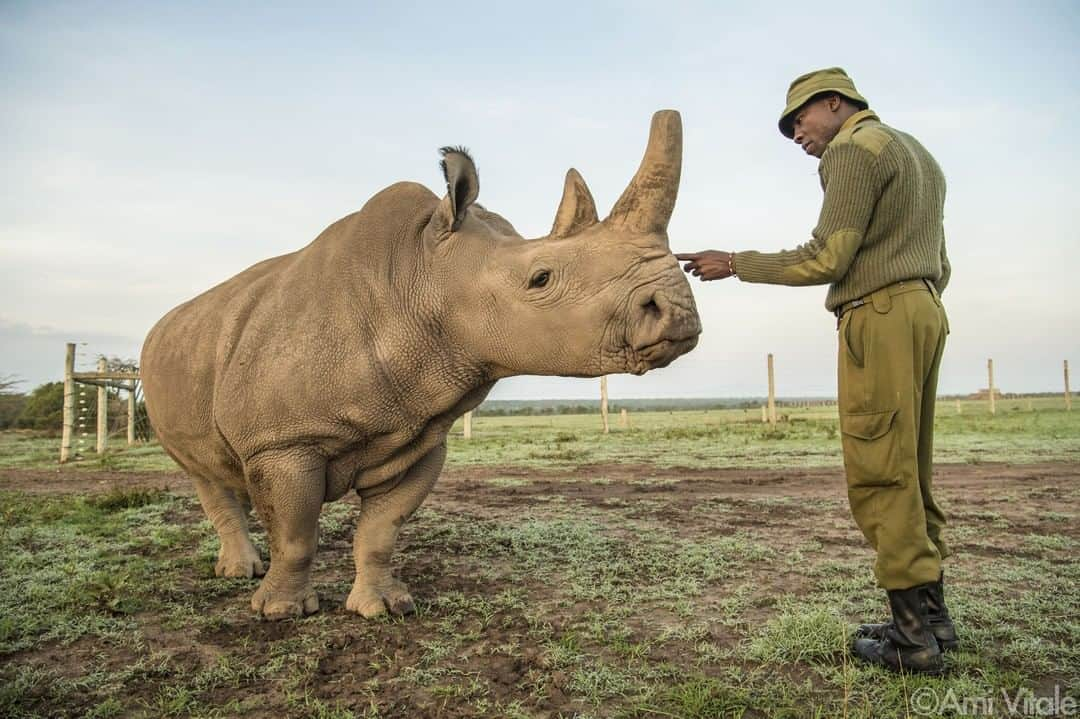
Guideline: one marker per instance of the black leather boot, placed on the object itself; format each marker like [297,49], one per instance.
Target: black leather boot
[908,645]
[937,615]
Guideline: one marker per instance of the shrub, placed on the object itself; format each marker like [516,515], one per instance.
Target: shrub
[44,408]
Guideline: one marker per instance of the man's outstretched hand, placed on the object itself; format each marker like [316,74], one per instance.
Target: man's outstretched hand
[708,265]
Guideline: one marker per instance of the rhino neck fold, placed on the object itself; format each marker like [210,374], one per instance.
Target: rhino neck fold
[444,378]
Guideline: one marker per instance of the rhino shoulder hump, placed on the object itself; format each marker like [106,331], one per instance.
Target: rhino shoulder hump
[405,193]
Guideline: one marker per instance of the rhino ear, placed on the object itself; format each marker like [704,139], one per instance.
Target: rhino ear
[462,185]
[577,210]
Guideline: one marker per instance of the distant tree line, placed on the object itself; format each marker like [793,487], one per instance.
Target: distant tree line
[541,408]
[41,409]
[530,411]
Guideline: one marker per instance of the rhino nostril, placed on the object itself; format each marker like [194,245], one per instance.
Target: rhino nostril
[651,308]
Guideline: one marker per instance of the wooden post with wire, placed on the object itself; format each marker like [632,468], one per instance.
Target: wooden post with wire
[102,378]
[1068,395]
[102,410]
[131,414]
[467,419]
[624,418]
[603,404]
[69,403]
[990,374]
[772,392]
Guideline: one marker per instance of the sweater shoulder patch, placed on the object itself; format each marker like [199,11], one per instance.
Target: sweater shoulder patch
[871,137]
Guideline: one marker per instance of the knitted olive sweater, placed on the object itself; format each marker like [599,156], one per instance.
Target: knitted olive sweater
[880,221]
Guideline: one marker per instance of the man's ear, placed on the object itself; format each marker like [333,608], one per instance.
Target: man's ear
[462,187]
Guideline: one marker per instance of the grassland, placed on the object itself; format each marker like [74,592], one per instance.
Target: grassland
[558,573]
[1037,430]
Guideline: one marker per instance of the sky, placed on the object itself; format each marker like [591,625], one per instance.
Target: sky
[152,150]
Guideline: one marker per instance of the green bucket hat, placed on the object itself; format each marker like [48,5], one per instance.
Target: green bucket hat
[832,79]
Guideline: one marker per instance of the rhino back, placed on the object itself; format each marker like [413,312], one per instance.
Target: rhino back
[304,350]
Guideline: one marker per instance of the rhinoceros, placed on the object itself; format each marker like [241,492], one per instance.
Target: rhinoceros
[343,365]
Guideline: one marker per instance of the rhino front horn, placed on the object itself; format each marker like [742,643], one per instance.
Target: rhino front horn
[646,204]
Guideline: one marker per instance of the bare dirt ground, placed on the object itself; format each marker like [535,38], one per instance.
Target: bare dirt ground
[496,657]
[626,480]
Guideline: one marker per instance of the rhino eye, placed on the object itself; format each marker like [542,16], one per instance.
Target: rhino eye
[540,279]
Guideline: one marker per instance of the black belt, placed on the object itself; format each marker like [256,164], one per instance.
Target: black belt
[893,289]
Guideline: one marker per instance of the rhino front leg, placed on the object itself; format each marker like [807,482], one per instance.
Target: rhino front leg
[381,516]
[237,556]
[287,490]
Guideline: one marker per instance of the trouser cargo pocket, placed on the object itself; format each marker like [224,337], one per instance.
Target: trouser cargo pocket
[872,452]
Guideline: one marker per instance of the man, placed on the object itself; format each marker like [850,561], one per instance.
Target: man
[879,244]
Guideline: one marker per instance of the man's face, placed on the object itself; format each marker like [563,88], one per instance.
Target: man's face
[816,124]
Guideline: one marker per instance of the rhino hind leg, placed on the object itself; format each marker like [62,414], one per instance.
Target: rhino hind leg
[228,513]
[287,490]
[376,590]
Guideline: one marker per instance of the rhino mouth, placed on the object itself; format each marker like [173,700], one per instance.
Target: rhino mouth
[661,353]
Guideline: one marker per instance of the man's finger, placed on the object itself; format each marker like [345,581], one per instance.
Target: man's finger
[687,255]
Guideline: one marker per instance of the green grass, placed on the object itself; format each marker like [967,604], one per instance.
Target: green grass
[613,609]
[70,568]
[806,437]
[22,449]
[621,616]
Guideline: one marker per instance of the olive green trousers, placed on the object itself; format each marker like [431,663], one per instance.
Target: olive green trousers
[890,351]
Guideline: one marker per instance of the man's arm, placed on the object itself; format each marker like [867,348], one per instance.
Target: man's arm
[853,184]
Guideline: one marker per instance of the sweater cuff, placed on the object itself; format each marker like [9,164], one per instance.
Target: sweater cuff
[753,266]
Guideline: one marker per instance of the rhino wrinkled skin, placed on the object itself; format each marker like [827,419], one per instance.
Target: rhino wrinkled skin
[343,365]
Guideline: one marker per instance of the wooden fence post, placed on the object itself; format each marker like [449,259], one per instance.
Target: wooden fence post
[69,403]
[603,404]
[102,411]
[990,374]
[1068,396]
[468,424]
[772,392]
[131,413]
[958,410]
[624,418]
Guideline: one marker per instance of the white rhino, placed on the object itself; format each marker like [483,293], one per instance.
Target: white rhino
[344,364]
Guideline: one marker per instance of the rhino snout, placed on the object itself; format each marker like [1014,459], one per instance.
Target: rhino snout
[664,325]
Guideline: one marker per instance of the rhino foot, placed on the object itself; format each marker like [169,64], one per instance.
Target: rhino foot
[274,604]
[239,564]
[369,601]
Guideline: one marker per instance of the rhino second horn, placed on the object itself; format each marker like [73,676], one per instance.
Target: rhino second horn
[577,210]
[646,205]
